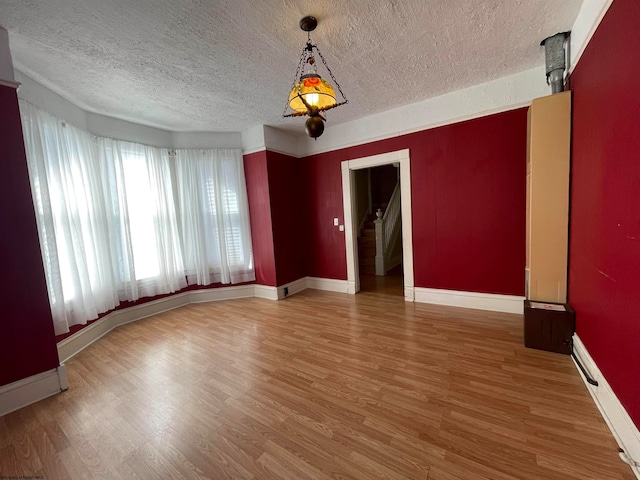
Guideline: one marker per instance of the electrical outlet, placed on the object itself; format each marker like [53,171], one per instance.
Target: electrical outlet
[341,228]
[336,222]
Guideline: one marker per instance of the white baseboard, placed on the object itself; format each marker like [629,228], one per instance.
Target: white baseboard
[328,284]
[17,395]
[228,293]
[617,418]
[292,288]
[479,301]
[409,294]
[80,340]
[267,292]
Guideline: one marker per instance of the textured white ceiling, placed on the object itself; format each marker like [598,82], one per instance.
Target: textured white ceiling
[227,65]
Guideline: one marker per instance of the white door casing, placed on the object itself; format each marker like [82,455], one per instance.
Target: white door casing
[351,229]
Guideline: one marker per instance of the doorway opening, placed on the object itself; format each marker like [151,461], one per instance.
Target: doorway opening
[397,265]
[377,208]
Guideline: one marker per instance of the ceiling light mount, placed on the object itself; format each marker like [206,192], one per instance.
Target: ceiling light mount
[311,94]
[308,23]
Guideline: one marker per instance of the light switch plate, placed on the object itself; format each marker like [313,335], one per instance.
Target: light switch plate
[336,221]
[341,228]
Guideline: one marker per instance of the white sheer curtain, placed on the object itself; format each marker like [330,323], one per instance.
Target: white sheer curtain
[141,178]
[108,218]
[72,214]
[214,214]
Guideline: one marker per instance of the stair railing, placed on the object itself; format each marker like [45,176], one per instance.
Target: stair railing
[387,225]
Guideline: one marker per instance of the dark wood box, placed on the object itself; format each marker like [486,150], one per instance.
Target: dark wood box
[549,328]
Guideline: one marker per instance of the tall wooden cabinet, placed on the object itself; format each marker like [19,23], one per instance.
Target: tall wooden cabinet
[548,166]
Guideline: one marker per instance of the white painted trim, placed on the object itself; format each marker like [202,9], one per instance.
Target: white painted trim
[614,414]
[351,241]
[10,84]
[589,17]
[281,141]
[266,292]
[294,287]
[480,301]
[26,391]
[253,140]
[409,294]
[224,293]
[350,229]
[62,376]
[80,340]
[500,95]
[327,284]
[253,150]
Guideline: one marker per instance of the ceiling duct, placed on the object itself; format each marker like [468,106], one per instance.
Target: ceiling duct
[555,60]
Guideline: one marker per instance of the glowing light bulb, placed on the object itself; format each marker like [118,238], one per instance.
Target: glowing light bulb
[312,98]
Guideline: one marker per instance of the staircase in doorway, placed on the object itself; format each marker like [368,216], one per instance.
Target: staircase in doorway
[367,247]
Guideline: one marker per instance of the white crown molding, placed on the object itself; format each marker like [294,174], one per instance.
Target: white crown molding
[479,301]
[276,140]
[589,17]
[504,94]
[26,391]
[10,83]
[618,420]
[500,95]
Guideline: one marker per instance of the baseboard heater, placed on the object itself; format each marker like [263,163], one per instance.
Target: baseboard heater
[587,377]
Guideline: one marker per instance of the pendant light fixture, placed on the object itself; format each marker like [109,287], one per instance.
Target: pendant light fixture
[311,94]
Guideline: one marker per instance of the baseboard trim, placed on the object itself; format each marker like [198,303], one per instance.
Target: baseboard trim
[227,293]
[328,284]
[266,292]
[80,340]
[409,294]
[17,395]
[480,301]
[614,414]
[293,287]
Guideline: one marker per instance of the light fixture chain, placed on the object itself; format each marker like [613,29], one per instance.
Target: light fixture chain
[331,73]
[303,57]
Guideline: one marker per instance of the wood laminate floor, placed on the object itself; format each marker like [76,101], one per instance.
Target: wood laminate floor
[317,386]
[390,284]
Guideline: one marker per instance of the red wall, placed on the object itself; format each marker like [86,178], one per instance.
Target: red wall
[26,328]
[288,216]
[327,255]
[468,201]
[604,263]
[256,174]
